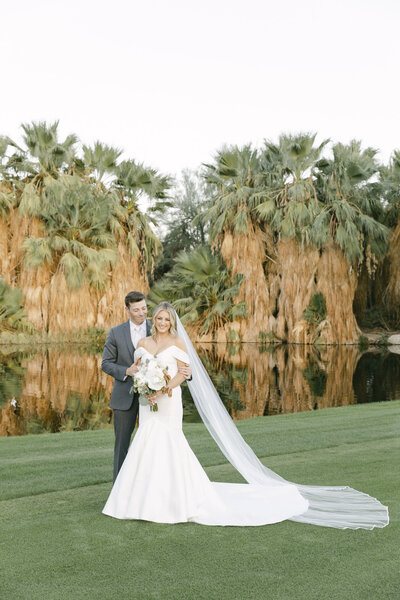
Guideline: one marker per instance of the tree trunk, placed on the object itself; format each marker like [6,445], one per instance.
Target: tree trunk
[392,292]
[297,269]
[35,285]
[362,293]
[125,277]
[50,306]
[337,280]
[304,272]
[246,254]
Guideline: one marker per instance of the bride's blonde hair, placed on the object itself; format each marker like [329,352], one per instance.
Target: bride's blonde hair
[171,311]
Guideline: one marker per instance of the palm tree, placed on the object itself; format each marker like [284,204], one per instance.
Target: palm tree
[287,206]
[10,225]
[5,144]
[99,160]
[133,183]
[349,230]
[351,208]
[235,228]
[263,199]
[135,180]
[79,225]
[390,179]
[324,214]
[202,291]
[45,158]
[69,261]
[50,156]
[289,199]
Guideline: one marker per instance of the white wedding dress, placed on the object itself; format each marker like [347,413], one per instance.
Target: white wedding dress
[161,479]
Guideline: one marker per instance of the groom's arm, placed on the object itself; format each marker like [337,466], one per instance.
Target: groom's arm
[110,356]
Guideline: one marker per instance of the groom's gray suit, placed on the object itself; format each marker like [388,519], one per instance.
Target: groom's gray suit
[117,357]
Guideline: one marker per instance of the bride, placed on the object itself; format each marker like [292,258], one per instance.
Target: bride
[161,479]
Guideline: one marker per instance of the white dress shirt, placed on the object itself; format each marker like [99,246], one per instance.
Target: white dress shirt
[137,332]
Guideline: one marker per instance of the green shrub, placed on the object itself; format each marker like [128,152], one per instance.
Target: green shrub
[315,312]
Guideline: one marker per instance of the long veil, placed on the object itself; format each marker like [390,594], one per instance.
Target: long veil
[340,507]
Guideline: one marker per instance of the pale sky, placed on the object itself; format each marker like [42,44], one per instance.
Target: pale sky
[171,81]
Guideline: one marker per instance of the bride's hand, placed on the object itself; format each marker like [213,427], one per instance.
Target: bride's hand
[154,397]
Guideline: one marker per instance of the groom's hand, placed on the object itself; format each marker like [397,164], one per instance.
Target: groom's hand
[186,371]
[132,369]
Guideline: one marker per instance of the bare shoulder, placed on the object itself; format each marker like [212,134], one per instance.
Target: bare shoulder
[179,343]
[144,342]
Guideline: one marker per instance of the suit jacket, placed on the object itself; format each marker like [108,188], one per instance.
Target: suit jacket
[117,356]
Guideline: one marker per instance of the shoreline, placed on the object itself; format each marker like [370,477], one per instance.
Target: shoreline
[373,337]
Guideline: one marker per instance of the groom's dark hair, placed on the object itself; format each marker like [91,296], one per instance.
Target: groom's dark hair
[133,297]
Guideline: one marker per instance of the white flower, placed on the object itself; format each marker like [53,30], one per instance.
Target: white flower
[150,378]
[13,402]
[140,378]
[155,377]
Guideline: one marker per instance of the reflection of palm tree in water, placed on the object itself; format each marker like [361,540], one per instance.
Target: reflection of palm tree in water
[285,379]
[58,391]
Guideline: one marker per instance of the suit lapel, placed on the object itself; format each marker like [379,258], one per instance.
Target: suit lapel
[128,339]
[148,327]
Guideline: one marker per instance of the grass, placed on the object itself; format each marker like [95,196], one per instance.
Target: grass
[56,544]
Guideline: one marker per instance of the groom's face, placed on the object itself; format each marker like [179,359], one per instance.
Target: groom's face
[137,312]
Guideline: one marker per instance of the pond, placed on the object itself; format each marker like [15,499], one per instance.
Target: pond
[63,388]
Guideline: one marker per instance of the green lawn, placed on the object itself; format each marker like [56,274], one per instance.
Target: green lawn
[55,543]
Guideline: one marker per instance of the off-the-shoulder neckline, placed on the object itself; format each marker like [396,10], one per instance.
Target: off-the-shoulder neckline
[161,351]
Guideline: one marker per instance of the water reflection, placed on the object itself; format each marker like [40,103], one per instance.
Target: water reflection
[60,389]
[54,390]
[286,379]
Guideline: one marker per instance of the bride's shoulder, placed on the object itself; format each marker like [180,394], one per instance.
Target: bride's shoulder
[144,342]
[179,343]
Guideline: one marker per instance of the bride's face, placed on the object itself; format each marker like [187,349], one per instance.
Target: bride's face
[162,322]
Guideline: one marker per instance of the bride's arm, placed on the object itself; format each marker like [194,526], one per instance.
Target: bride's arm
[172,383]
[181,376]
[176,380]
[183,368]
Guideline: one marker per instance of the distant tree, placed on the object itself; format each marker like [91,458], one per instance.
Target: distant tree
[183,230]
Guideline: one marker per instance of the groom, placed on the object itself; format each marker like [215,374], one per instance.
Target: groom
[118,362]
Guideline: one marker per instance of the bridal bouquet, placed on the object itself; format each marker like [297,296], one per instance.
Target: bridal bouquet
[150,378]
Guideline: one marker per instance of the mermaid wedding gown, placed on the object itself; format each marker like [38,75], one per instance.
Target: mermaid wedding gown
[161,479]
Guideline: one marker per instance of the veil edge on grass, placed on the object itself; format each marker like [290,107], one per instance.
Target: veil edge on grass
[339,507]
